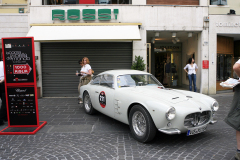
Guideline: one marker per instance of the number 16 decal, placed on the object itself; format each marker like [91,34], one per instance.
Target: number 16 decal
[102,99]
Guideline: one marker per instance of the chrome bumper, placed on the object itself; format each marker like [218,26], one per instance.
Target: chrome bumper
[170,131]
[213,121]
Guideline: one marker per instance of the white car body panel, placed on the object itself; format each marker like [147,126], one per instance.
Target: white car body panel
[155,99]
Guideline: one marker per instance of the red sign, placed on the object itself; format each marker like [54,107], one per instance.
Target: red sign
[205,64]
[86,1]
[21,69]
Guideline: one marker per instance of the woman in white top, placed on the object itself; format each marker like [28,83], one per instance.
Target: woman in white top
[86,73]
[192,69]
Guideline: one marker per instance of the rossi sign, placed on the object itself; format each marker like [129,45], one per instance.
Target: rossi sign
[87,14]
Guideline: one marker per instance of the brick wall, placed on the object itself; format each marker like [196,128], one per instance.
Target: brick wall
[173,2]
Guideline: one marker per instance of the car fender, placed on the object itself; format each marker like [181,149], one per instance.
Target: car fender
[156,110]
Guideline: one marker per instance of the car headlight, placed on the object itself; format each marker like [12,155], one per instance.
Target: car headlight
[215,106]
[171,113]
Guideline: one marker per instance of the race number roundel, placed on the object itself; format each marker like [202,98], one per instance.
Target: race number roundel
[102,99]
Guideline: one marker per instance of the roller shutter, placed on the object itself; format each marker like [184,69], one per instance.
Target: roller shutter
[60,62]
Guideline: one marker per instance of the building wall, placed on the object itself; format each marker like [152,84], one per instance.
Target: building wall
[14,2]
[13,25]
[231,4]
[12,6]
[219,24]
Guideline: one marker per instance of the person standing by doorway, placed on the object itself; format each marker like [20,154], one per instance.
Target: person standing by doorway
[192,69]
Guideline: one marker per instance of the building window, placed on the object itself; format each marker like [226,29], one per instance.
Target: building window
[224,66]
[173,2]
[218,2]
[60,2]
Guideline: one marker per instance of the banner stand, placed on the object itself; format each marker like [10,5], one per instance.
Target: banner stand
[20,86]
[22,130]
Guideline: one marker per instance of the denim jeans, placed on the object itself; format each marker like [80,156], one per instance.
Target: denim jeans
[192,77]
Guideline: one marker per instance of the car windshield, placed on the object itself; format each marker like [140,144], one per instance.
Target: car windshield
[132,80]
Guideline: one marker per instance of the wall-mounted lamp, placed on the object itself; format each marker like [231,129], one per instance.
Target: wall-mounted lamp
[190,34]
[153,40]
[177,39]
[156,34]
[174,42]
[174,34]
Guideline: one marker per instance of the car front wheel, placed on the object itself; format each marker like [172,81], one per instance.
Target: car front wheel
[87,104]
[141,124]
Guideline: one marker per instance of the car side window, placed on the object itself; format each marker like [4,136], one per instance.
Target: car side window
[107,81]
[96,80]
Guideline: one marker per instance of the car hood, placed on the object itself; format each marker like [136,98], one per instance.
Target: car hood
[158,93]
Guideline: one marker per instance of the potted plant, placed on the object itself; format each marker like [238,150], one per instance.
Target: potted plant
[138,64]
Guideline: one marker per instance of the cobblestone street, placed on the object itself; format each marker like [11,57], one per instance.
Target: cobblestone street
[72,134]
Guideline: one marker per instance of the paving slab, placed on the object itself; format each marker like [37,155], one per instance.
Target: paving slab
[71,129]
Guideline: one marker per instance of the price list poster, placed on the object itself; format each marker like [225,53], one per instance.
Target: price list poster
[20,86]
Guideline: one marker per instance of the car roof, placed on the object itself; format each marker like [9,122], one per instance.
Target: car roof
[123,71]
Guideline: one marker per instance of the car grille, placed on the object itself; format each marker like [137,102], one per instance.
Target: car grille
[197,119]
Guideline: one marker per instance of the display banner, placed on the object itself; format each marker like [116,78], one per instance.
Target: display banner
[19,59]
[20,85]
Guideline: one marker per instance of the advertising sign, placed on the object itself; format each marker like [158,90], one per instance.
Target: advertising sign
[22,106]
[205,64]
[19,60]
[20,86]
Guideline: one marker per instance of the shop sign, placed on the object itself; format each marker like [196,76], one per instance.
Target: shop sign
[205,64]
[87,14]
[228,24]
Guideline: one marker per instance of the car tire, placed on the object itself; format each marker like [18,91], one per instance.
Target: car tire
[87,104]
[141,124]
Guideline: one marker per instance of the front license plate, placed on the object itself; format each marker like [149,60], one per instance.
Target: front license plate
[196,130]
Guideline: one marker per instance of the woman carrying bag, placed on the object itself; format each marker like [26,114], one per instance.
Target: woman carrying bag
[86,73]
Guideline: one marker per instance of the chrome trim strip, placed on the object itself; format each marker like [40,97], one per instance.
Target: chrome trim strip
[170,131]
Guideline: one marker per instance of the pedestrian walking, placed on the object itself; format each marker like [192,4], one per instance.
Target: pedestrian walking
[233,117]
[3,110]
[192,69]
[85,73]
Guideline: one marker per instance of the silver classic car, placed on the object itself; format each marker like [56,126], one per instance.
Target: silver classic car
[138,99]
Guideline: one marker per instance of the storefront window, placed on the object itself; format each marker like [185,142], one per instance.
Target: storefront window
[62,2]
[224,66]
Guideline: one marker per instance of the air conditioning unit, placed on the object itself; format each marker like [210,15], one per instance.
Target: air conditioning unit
[69,1]
[218,2]
[104,1]
[206,19]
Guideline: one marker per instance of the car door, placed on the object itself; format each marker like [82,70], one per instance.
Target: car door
[104,95]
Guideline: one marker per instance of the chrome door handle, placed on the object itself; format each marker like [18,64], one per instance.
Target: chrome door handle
[96,92]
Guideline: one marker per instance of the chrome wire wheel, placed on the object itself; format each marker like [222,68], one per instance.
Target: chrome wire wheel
[87,103]
[139,123]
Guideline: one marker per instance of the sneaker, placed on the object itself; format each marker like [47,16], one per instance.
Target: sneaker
[237,156]
[80,102]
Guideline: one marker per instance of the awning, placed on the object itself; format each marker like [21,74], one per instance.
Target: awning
[84,33]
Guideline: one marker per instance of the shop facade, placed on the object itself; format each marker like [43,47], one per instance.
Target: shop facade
[224,40]
[113,43]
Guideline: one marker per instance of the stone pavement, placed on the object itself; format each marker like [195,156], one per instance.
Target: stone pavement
[72,134]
